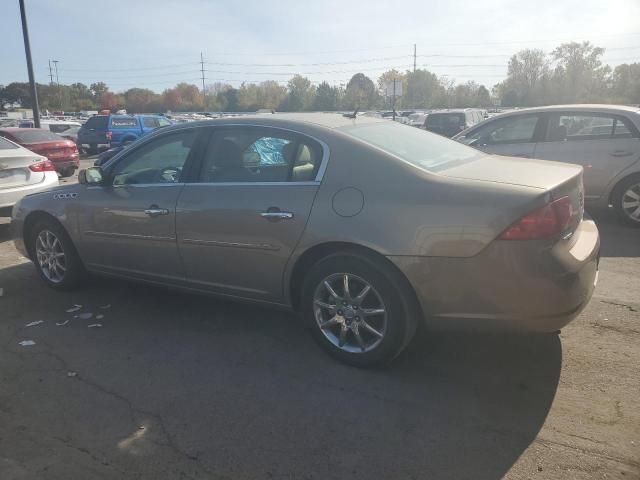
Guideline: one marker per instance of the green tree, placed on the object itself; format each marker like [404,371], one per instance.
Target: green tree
[423,89]
[360,93]
[300,95]
[579,75]
[326,97]
[138,100]
[625,83]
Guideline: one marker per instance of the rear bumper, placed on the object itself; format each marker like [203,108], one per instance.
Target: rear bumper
[532,286]
[10,196]
[66,163]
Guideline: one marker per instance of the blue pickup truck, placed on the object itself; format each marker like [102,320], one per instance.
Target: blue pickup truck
[116,130]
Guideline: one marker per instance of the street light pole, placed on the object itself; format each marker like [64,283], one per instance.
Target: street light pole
[32,81]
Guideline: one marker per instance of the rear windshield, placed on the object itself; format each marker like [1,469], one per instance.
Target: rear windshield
[99,122]
[446,119]
[423,149]
[124,122]
[6,144]
[31,135]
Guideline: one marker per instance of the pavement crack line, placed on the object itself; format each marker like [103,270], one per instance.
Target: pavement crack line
[588,451]
[623,305]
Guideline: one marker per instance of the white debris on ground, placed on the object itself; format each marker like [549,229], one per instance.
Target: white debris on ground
[26,343]
[72,374]
[99,316]
[33,324]
[95,325]
[75,308]
[62,323]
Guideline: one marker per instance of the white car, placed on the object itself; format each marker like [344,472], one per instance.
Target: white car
[22,172]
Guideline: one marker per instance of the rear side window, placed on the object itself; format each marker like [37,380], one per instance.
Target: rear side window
[517,129]
[445,120]
[253,154]
[622,129]
[124,122]
[99,122]
[150,122]
[576,127]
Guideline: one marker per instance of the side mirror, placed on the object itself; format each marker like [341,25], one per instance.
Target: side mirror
[90,176]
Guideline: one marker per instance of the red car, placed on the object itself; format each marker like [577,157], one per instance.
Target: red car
[63,153]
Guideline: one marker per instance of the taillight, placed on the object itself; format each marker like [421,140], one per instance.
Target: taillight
[43,166]
[109,135]
[544,222]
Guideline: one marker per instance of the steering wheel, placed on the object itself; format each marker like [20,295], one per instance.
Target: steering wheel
[170,174]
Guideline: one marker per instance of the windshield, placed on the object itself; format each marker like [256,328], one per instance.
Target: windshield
[421,148]
[32,135]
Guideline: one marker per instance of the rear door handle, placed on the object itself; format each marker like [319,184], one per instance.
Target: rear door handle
[155,211]
[274,213]
[621,153]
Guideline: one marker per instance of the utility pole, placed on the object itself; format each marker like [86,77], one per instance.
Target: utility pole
[204,93]
[55,67]
[50,74]
[414,57]
[32,81]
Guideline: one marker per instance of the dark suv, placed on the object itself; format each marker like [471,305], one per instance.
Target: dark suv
[452,122]
[117,130]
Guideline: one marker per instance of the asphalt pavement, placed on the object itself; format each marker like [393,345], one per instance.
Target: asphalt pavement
[178,386]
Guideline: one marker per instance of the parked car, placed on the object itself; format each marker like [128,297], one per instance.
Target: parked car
[302,211]
[604,139]
[59,126]
[417,119]
[450,122]
[107,154]
[63,153]
[71,134]
[22,172]
[116,130]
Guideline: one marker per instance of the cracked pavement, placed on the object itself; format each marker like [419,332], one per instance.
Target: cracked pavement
[179,386]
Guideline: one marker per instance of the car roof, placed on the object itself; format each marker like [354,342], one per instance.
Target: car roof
[595,107]
[327,120]
[21,129]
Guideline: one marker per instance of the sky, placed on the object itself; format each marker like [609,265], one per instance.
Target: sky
[157,43]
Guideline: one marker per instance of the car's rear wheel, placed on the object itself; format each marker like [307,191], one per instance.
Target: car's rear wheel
[357,309]
[55,256]
[626,200]
[93,149]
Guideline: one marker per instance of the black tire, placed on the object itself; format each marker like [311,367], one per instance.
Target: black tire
[388,285]
[93,149]
[126,142]
[74,272]
[619,195]
[67,172]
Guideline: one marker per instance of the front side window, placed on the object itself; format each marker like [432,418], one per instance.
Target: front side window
[253,154]
[163,122]
[520,129]
[161,160]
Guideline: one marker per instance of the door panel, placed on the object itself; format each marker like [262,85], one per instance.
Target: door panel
[118,236]
[590,140]
[229,247]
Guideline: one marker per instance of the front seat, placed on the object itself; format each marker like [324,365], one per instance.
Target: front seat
[228,164]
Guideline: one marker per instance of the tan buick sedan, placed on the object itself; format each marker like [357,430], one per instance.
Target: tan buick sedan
[363,226]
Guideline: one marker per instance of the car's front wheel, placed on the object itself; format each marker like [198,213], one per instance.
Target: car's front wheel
[358,308]
[55,256]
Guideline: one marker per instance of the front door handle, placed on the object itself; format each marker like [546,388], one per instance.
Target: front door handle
[621,153]
[274,214]
[155,211]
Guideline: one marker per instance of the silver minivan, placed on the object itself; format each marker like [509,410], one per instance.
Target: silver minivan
[604,139]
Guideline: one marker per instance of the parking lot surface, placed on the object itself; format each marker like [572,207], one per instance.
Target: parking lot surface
[180,386]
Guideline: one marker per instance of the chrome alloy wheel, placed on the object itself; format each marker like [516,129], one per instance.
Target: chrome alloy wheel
[631,202]
[355,319]
[50,256]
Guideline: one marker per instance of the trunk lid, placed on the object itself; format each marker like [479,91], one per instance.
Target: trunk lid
[553,179]
[14,168]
